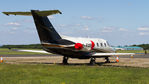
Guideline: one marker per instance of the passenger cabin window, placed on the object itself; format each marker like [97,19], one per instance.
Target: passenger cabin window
[101,44]
[105,44]
[97,45]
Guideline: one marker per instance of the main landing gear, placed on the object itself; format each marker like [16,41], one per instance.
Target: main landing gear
[107,60]
[92,61]
[65,60]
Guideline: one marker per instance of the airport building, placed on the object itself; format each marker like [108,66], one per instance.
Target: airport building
[127,48]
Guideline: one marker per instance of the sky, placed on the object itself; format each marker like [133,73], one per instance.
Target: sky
[120,22]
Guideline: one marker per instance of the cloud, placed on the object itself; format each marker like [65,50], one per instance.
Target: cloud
[108,29]
[13,24]
[143,33]
[113,29]
[70,25]
[97,19]
[122,29]
[78,25]
[62,25]
[86,28]
[87,18]
[143,29]
[11,32]
[14,28]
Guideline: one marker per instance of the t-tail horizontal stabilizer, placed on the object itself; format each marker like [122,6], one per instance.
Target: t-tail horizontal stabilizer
[41,13]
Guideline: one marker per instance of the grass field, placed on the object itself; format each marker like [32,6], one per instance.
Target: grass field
[59,74]
[5,51]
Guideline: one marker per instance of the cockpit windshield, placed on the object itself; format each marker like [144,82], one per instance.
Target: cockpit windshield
[107,43]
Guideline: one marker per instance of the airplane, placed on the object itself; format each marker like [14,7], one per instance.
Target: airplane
[68,47]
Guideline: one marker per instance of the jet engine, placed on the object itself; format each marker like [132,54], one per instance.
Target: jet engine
[85,46]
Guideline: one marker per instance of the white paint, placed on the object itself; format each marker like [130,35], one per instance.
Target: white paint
[36,51]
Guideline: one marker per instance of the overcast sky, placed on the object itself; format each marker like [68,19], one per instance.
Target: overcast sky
[121,22]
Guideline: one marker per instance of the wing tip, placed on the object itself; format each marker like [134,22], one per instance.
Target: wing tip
[5,13]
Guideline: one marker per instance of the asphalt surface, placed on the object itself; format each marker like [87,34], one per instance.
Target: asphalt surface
[139,60]
[141,55]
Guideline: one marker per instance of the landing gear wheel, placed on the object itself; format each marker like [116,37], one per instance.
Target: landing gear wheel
[92,61]
[107,60]
[65,60]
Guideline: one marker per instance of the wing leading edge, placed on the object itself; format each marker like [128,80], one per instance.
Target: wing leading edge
[112,54]
[35,51]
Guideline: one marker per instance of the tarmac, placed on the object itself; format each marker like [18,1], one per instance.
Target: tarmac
[138,60]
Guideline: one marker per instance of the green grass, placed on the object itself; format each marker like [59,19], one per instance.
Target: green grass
[59,74]
[5,51]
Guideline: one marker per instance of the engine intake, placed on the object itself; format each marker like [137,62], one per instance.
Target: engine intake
[78,46]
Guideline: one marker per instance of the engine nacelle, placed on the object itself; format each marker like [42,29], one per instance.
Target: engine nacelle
[85,46]
[78,46]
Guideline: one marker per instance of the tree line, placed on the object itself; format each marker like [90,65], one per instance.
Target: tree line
[30,46]
[144,46]
[38,46]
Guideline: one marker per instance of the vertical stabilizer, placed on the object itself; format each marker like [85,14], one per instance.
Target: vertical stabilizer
[46,31]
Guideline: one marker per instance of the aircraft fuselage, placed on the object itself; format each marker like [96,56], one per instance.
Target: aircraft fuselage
[81,47]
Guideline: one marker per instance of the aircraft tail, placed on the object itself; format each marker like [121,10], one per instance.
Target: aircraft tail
[46,31]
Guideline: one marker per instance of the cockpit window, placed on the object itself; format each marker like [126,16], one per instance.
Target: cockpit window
[108,43]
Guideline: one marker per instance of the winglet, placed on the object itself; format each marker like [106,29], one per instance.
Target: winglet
[41,13]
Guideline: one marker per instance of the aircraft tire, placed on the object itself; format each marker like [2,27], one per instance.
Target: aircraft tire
[107,60]
[92,61]
[65,60]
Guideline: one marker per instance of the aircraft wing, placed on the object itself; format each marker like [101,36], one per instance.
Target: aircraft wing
[112,54]
[35,51]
